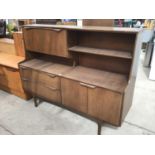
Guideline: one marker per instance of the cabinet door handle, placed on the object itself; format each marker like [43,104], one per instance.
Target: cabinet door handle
[87,85]
[52,75]
[57,30]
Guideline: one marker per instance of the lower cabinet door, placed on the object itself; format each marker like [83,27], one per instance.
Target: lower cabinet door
[74,95]
[104,105]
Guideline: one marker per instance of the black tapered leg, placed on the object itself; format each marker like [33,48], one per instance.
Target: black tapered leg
[99,128]
[36,101]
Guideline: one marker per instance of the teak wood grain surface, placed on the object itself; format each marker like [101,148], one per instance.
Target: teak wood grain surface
[48,41]
[87,28]
[19,43]
[74,95]
[101,52]
[90,69]
[108,80]
[10,60]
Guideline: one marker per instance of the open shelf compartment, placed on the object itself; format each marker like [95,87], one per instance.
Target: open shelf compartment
[103,52]
[104,79]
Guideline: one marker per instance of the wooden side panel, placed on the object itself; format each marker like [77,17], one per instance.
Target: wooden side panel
[19,43]
[47,41]
[128,97]
[25,72]
[10,81]
[104,105]
[129,92]
[74,95]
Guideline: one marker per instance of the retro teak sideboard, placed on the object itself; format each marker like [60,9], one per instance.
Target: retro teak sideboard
[89,70]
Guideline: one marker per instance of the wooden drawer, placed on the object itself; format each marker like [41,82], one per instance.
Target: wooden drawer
[48,79]
[48,92]
[45,91]
[46,40]
[104,105]
[74,95]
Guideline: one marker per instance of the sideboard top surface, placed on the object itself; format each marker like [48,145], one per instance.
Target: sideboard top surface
[87,28]
[108,80]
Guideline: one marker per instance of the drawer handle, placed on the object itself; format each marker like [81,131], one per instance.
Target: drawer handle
[52,75]
[87,85]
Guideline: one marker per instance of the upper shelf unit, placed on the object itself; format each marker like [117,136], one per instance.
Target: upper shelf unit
[102,52]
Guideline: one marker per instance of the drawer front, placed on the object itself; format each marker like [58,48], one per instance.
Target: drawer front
[74,95]
[104,105]
[46,40]
[48,92]
[48,79]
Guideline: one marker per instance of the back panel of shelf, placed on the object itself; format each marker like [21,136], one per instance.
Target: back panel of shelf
[104,50]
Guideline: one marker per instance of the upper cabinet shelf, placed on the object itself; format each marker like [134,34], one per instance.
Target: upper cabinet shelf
[103,52]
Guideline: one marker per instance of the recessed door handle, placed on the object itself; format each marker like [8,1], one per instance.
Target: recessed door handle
[87,85]
[52,75]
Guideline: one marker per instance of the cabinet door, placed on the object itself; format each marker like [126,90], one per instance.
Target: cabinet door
[104,105]
[74,95]
[46,40]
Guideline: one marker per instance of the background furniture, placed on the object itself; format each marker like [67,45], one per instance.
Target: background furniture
[89,70]
[10,80]
[19,43]
[98,22]
[2,28]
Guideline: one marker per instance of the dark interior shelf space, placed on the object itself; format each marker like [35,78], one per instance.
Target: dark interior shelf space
[103,52]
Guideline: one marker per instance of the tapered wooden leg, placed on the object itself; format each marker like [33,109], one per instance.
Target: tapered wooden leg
[36,101]
[99,128]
